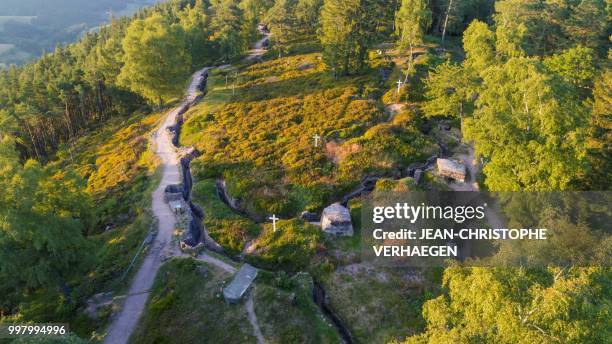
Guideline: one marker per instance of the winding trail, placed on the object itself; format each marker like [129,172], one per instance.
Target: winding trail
[125,322]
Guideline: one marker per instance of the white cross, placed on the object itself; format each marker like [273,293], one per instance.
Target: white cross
[273,218]
[399,85]
[316,138]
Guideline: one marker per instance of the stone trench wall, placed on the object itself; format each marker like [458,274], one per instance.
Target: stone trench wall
[195,233]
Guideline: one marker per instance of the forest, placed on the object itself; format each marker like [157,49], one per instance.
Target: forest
[526,84]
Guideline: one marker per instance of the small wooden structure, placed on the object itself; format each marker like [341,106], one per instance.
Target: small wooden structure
[451,169]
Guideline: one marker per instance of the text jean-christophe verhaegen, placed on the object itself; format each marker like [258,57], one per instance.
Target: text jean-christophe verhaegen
[407,215]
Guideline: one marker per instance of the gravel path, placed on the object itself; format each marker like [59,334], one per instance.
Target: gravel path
[393,109]
[260,48]
[125,322]
[216,262]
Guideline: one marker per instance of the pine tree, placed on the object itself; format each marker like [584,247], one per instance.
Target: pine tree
[228,28]
[348,28]
[195,24]
[282,22]
[411,23]
[307,14]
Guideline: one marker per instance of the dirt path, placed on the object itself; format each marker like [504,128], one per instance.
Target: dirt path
[125,322]
[253,318]
[471,164]
[393,109]
[216,262]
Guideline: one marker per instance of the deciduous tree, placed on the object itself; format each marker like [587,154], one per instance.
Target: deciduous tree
[43,214]
[157,63]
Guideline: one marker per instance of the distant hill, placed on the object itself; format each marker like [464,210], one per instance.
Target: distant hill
[34,26]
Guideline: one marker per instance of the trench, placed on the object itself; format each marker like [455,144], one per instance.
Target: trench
[197,232]
[366,185]
[319,297]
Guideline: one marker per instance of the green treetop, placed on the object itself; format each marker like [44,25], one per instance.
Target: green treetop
[487,305]
[156,62]
[411,22]
[479,45]
[43,214]
[348,28]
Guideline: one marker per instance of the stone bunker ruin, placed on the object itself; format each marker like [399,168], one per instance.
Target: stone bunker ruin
[336,219]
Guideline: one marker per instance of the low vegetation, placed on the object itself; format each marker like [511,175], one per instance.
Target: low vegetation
[292,247]
[229,229]
[186,305]
[287,313]
[365,297]
[260,139]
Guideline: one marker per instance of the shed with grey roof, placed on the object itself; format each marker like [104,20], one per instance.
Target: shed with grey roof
[243,279]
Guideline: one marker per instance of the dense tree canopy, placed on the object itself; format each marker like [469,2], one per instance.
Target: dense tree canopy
[519,306]
[227,26]
[43,216]
[546,27]
[526,115]
[411,22]
[348,30]
[156,63]
[282,21]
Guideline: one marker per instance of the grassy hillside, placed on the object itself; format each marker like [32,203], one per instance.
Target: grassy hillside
[186,306]
[286,312]
[257,132]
